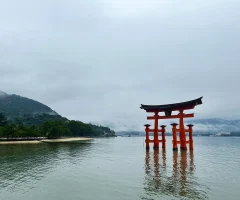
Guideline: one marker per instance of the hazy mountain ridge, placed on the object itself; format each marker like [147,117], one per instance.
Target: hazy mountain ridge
[207,125]
[12,105]
[212,125]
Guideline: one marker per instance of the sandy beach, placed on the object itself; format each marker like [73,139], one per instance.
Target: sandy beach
[77,139]
[62,140]
[21,142]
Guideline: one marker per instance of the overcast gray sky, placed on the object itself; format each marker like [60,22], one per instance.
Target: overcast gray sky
[97,61]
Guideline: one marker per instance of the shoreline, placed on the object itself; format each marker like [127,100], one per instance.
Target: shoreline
[39,141]
[76,139]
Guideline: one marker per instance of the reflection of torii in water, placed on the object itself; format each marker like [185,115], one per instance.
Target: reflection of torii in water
[180,183]
[152,170]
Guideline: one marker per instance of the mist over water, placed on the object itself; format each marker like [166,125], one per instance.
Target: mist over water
[120,168]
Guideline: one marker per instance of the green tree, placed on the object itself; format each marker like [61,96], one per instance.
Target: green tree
[80,129]
[3,120]
[10,130]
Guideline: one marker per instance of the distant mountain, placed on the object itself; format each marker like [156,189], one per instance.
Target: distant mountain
[22,110]
[137,133]
[13,105]
[132,133]
[208,125]
[214,125]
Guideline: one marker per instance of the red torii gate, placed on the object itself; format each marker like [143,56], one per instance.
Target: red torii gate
[167,109]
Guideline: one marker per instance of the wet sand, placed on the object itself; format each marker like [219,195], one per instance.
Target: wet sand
[77,139]
[62,140]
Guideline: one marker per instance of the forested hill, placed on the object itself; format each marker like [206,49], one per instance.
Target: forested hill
[22,117]
[12,105]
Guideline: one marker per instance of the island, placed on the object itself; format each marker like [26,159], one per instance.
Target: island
[24,120]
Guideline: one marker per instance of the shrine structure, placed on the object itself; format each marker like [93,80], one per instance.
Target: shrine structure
[167,109]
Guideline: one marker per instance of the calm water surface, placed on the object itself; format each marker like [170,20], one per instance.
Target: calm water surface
[120,169]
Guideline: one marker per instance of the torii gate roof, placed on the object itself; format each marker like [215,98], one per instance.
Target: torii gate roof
[172,107]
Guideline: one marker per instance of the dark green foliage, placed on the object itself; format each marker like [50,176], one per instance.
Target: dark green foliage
[102,131]
[80,129]
[37,119]
[50,127]
[56,129]
[15,131]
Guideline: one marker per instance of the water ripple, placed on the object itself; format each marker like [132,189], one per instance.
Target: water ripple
[120,168]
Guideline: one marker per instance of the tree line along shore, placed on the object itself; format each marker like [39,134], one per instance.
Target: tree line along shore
[46,127]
